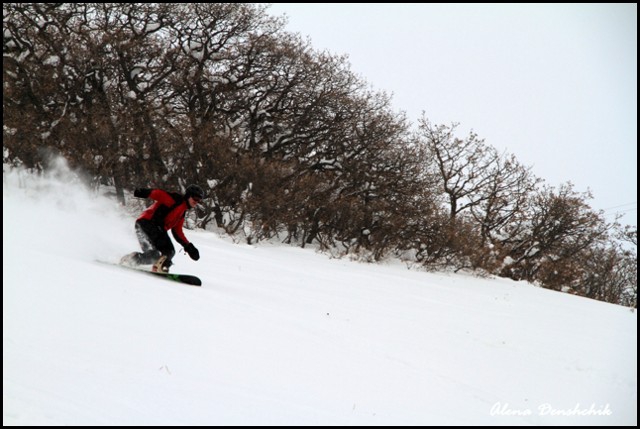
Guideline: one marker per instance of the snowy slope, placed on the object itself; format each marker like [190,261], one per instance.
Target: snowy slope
[283,335]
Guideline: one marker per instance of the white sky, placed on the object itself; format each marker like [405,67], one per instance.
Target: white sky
[283,336]
[556,85]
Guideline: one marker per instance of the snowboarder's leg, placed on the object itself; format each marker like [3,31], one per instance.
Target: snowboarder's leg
[155,242]
[168,251]
[147,234]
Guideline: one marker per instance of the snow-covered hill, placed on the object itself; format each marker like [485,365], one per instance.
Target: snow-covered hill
[280,335]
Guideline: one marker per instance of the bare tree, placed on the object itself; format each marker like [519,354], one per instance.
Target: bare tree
[560,224]
[467,168]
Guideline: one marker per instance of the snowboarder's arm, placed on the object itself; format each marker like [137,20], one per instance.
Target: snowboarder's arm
[180,238]
[178,234]
[155,194]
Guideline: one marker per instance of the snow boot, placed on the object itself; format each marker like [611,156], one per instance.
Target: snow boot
[131,260]
[162,265]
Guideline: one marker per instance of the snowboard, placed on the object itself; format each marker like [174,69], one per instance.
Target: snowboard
[187,279]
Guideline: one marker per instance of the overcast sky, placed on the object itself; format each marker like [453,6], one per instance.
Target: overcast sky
[556,85]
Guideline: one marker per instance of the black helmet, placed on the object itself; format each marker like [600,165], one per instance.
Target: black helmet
[194,191]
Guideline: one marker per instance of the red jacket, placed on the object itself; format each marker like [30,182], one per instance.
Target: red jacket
[168,211]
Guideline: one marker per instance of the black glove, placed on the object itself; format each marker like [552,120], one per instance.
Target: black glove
[142,193]
[192,251]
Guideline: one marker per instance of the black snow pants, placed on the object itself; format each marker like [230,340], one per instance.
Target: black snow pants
[154,241]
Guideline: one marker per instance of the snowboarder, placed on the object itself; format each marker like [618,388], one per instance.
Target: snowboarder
[167,213]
